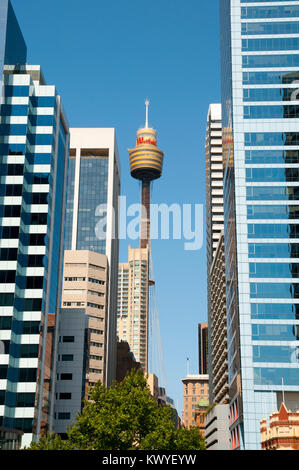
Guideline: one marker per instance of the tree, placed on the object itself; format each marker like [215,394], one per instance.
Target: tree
[124,417]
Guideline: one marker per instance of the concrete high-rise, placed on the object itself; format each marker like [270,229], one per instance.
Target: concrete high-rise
[93,191]
[260,119]
[217,360]
[214,180]
[82,333]
[132,312]
[33,157]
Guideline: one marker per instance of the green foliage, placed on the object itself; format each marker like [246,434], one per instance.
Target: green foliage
[124,417]
[50,442]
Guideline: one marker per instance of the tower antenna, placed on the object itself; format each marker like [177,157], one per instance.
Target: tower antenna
[146,113]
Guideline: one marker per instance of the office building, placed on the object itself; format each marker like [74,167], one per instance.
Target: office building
[133,297]
[214,179]
[34,149]
[93,191]
[196,388]
[82,333]
[218,372]
[214,226]
[203,348]
[259,83]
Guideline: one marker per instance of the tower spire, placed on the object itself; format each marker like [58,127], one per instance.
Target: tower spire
[146,113]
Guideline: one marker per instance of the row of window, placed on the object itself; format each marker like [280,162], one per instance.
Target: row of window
[279,27]
[276,376]
[264,311]
[271,112]
[271,77]
[274,290]
[272,193]
[271,156]
[273,60]
[272,270]
[272,174]
[273,231]
[81,279]
[284,354]
[288,11]
[271,138]
[18,375]
[272,212]
[270,44]
[273,250]
[270,94]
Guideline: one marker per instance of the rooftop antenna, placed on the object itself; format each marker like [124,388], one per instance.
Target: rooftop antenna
[146,113]
[187,365]
[282,391]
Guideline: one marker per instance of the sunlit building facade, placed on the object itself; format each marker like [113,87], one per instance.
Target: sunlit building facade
[34,149]
[132,306]
[260,119]
[92,201]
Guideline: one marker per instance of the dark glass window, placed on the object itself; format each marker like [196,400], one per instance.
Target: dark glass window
[6,299]
[5,323]
[37,239]
[68,339]
[64,415]
[35,261]
[34,282]
[65,396]
[39,198]
[12,211]
[32,305]
[66,376]
[31,327]
[13,189]
[25,399]
[39,219]
[67,357]
[10,232]
[7,277]
[29,350]
[27,375]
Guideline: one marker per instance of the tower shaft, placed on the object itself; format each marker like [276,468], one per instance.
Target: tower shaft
[145,213]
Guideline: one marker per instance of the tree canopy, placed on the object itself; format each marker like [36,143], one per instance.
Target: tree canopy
[124,417]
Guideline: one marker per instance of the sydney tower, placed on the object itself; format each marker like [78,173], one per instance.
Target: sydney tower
[146,161]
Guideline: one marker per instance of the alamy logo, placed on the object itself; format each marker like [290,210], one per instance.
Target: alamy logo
[177,222]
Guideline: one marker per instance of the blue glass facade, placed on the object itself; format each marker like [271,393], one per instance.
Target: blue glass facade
[13,49]
[91,176]
[260,99]
[33,156]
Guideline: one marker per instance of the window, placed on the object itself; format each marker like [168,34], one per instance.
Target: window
[64,415]
[67,357]
[65,396]
[68,339]
[66,376]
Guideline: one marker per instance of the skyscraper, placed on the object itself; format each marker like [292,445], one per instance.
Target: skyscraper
[33,152]
[259,81]
[132,312]
[216,279]
[93,189]
[82,333]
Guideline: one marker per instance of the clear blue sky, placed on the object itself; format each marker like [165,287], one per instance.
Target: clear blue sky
[106,57]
